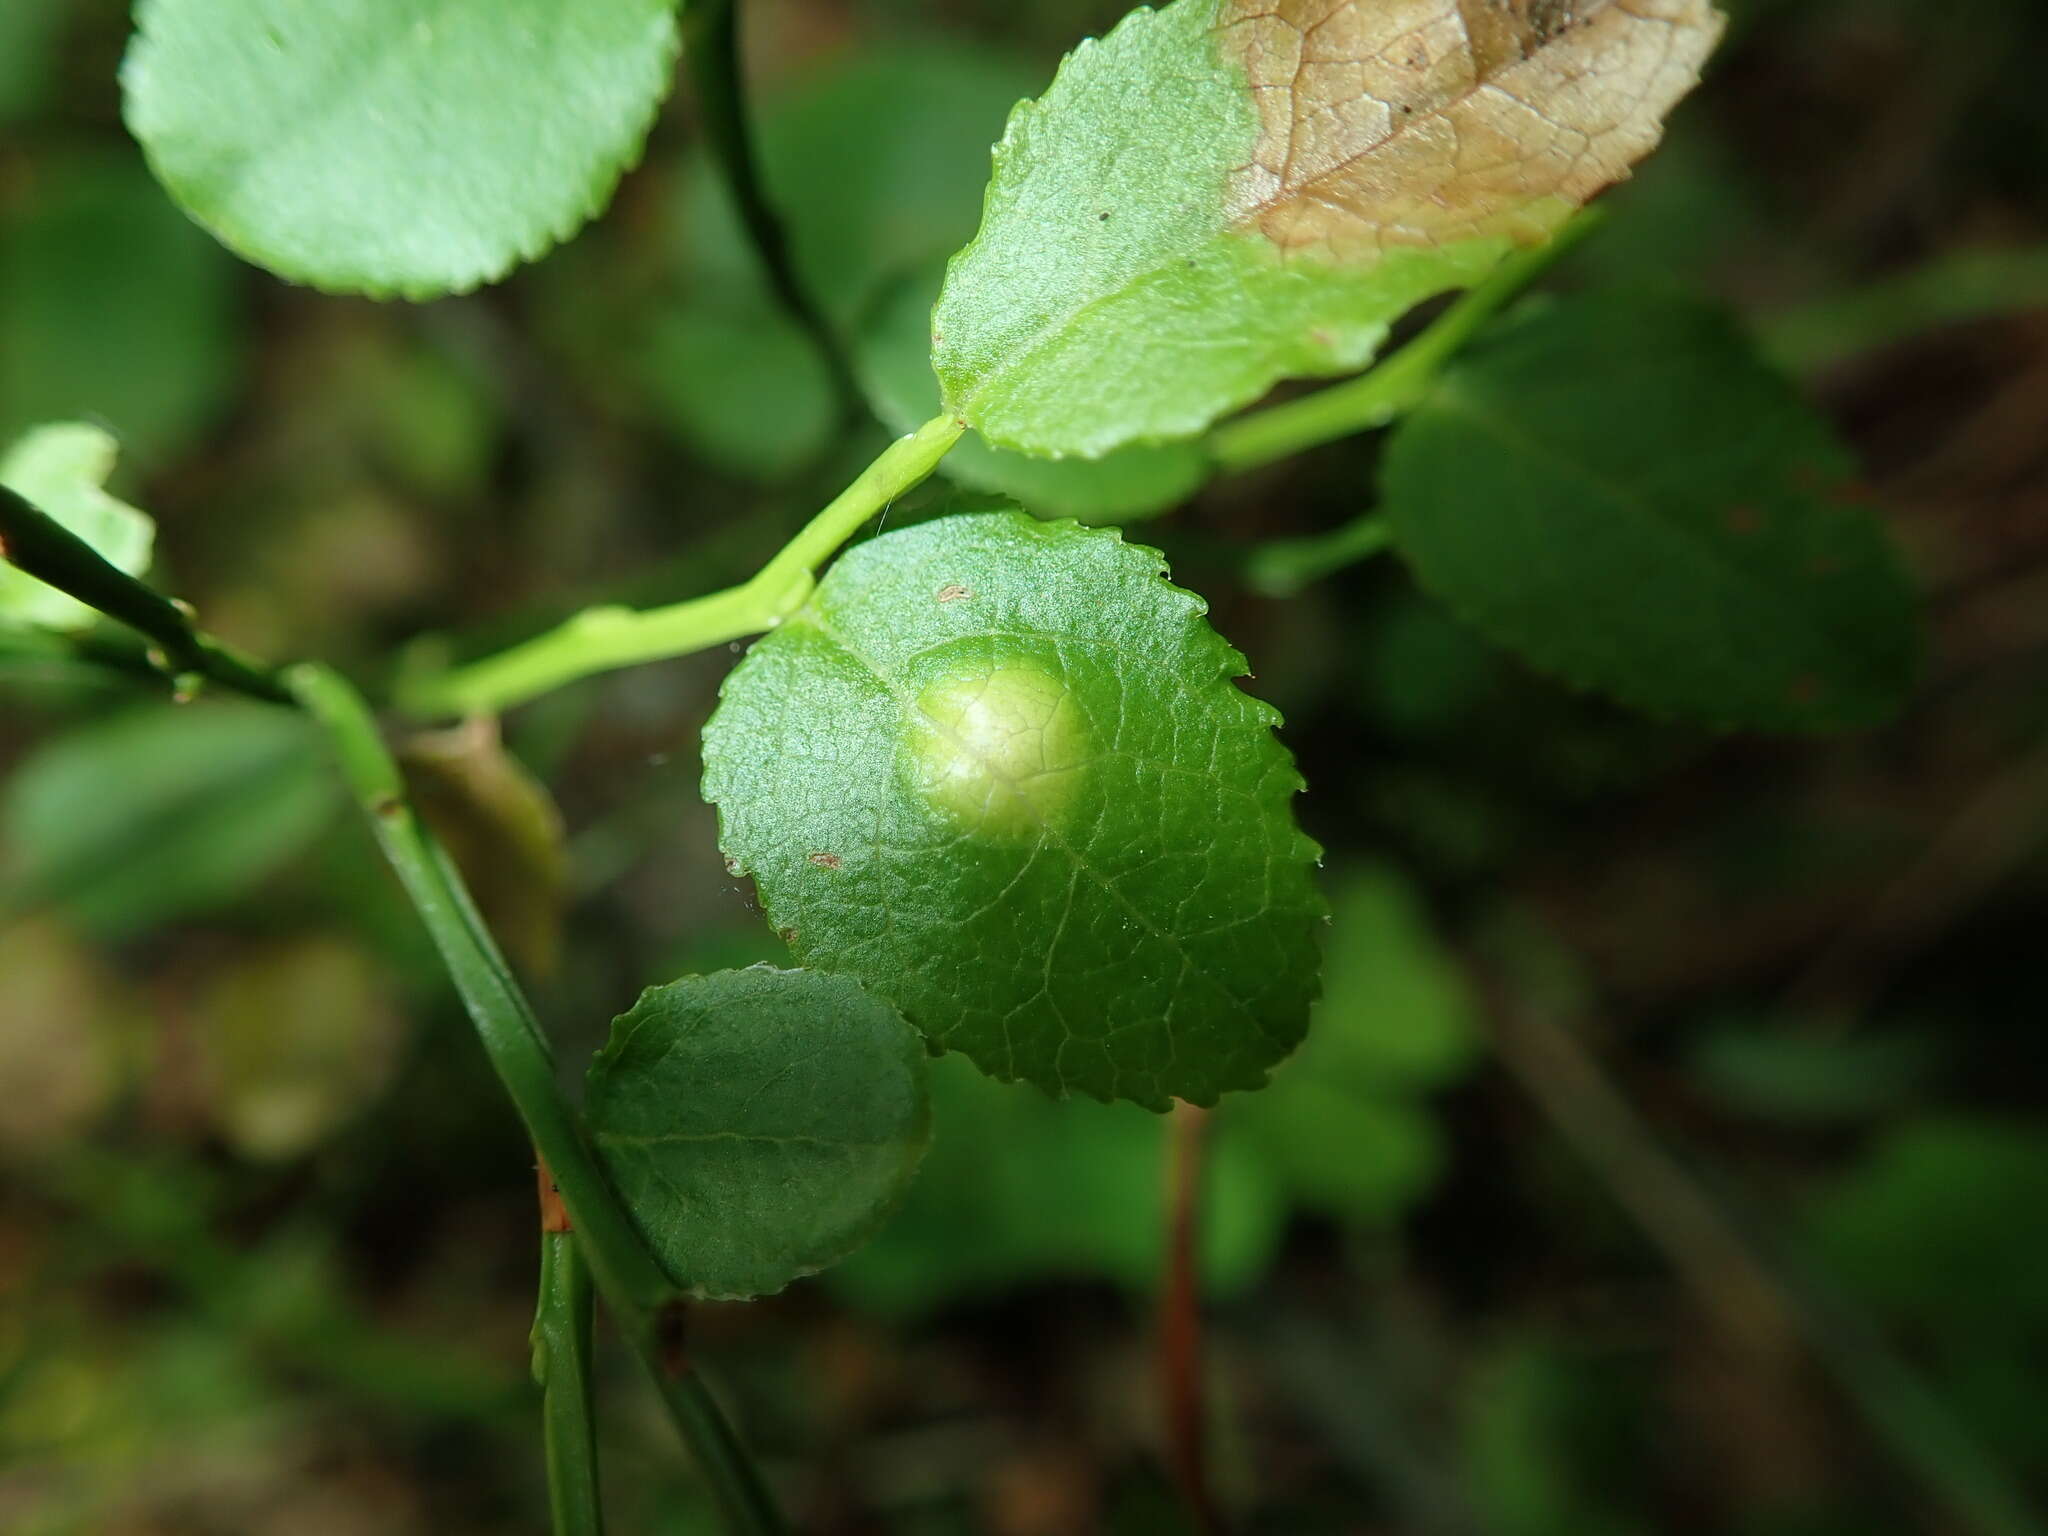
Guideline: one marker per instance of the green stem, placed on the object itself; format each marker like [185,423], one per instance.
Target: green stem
[561,1366]
[44,548]
[711,52]
[1395,386]
[601,639]
[1284,566]
[639,1294]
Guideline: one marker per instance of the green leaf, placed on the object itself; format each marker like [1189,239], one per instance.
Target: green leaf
[60,470]
[30,31]
[231,792]
[1220,194]
[1020,1188]
[1781,1069]
[113,308]
[372,146]
[997,770]
[1555,1434]
[1621,491]
[1133,482]
[1941,1224]
[877,163]
[760,1124]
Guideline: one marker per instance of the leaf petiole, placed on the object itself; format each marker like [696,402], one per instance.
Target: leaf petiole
[1376,398]
[602,639]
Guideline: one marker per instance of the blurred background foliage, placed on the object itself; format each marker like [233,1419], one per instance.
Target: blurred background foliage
[1667,1156]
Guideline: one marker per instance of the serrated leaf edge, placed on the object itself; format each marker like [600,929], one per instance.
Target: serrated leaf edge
[1264,718]
[865,1232]
[603,183]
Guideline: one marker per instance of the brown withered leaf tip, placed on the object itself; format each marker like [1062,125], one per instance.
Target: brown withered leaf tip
[1422,122]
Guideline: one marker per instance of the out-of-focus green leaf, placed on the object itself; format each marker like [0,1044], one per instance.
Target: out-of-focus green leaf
[877,163]
[113,308]
[294,1041]
[999,770]
[1940,1231]
[61,470]
[1339,1124]
[30,31]
[736,381]
[1217,196]
[367,146]
[1018,1188]
[161,811]
[895,358]
[760,1124]
[1767,1068]
[1620,490]
[1552,1443]
[882,162]
[1942,1225]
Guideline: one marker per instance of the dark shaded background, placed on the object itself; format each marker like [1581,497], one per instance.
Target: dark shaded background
[1667,1157]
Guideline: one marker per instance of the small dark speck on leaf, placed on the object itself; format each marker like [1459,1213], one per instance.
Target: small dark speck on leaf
[787,935]
[826,860]
[1103,217]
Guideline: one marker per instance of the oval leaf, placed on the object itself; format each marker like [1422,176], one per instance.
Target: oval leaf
[760,1124]
[997,770]
[1621,491]
[1225,193]
[158,812]
[372,146]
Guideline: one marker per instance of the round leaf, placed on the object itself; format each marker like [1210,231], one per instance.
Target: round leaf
[997,769]
[760,1124]
[371,146]
[1621,491]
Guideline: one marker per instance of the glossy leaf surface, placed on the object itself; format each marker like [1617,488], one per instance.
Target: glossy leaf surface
[1620,490]
[760,1123]
[999,771]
